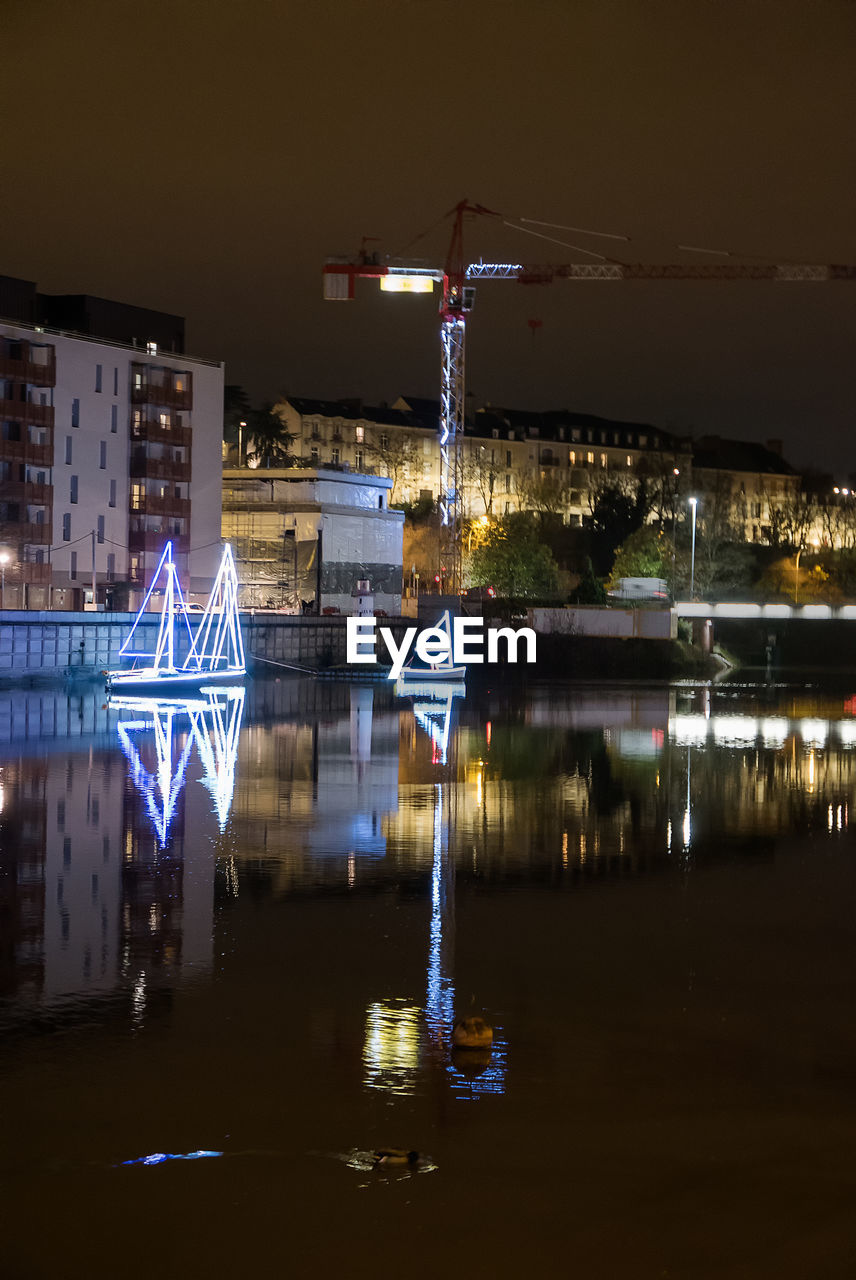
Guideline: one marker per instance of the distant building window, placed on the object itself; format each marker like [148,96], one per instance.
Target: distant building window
[73,489]
[603,459]
[313,454]
[111,566]
[75,413]
[152,348]
[590,458]
[629,460]
[100,528]
[508,457]
[572,457]
[112,493]
[114,418]
[643,442]
[66,527]
[334,456]
[359,434]
[102,461]
[508,483]
[359,458]
[98,373]
[116,381]
[384,441]
[68,451]
[72,573]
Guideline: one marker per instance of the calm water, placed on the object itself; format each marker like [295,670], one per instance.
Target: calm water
[246,926]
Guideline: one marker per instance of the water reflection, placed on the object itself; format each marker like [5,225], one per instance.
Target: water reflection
[131,830]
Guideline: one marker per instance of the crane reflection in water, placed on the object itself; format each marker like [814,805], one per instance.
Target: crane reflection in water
[210,720]
[393,1040]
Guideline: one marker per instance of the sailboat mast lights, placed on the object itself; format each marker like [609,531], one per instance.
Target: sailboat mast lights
[215,651]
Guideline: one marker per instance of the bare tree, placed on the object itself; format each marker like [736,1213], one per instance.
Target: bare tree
[481,472]
[394,456]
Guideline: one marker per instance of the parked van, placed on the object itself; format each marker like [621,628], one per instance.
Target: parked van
[655,590]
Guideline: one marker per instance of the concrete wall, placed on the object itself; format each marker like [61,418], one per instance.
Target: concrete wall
[58,644]
[620,624]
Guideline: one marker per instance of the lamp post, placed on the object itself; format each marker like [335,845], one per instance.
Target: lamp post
[676,473]
[241,426]
[4,560]
[694,505]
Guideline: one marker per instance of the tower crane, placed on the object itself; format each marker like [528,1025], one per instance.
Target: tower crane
[457,279]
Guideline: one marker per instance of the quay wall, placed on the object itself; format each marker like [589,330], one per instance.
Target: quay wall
[49,644]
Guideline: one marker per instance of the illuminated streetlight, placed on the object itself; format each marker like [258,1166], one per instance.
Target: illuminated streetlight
[694,504]
[241,427]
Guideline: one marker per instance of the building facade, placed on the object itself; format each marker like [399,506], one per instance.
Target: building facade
[304,538]
[107,449]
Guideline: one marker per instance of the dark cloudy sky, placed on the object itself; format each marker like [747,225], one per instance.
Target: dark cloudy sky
[204,158]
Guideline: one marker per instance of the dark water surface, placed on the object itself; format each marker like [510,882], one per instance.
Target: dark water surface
[246,927]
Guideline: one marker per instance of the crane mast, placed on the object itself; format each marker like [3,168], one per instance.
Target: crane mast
[458,292]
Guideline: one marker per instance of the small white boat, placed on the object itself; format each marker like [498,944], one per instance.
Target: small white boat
[213,652]
[415,672]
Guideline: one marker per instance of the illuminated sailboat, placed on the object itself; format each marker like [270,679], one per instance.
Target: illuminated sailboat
[442,670]
[180,657]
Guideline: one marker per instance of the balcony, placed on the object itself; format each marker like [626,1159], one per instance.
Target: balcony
[24,491]
[24,368]
[156,433]
[36,575]
[158,387]
[161,506]
[39,415]
[38,455]
[19,534]
[143,468]
[153,542]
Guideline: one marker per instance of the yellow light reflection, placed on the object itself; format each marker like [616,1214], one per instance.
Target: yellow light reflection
[391,1051]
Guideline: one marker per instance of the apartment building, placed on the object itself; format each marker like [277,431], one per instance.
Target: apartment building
[743,487]
[109,446]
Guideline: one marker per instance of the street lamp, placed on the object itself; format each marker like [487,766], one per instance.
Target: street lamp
[694,505]
[241,426]
[797,577]
[4,560]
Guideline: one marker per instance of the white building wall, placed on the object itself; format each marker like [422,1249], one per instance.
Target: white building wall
[104,423]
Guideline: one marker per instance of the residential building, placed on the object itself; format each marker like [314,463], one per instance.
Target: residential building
[743,488]
[303,538]
[507,455]
[108,447]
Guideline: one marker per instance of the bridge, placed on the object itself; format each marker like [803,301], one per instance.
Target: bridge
[771,612]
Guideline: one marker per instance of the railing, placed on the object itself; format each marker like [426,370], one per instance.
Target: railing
[162,353]
[26,491]
[152,541]
[38,575]
[24,369]
[40,415]
[161,506]
[23,532]
[157,433]
[24,451]
[159,469]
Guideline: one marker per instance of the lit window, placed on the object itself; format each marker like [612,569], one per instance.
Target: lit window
[590,458]
[603,459]
[629,460]
[359,434]
[572,457]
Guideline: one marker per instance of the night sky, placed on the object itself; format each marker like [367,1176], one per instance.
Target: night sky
[204,158]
